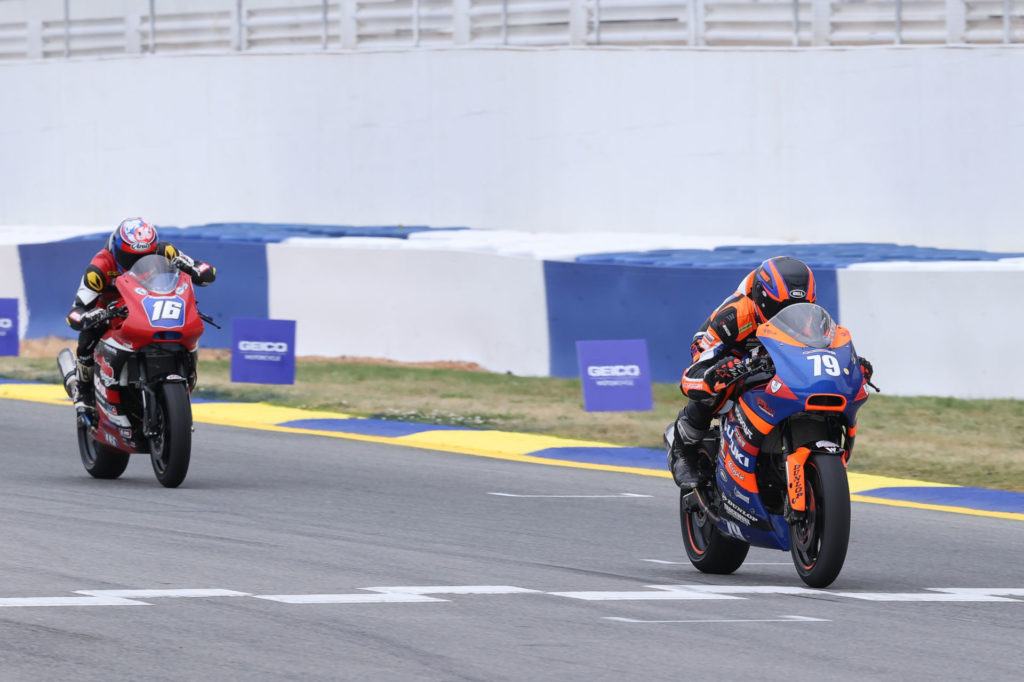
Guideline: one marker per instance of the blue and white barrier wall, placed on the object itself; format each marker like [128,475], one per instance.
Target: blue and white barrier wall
[933,321]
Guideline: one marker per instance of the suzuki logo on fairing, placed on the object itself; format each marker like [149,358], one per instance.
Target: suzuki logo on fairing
[6,323]
[263,346]
[613,370]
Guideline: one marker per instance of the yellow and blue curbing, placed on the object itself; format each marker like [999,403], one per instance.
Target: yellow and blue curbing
[537,449]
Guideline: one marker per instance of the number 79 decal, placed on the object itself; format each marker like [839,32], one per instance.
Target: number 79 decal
[829,362]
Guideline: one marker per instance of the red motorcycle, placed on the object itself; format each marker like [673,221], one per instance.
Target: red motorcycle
[145,373]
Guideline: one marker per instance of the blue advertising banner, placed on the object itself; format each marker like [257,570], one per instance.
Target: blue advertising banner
[8,326]
[263,351]
[615,375]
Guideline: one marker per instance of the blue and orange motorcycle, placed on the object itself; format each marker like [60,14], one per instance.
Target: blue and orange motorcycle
[776,461]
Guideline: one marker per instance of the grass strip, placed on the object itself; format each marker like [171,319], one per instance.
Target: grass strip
[945,440]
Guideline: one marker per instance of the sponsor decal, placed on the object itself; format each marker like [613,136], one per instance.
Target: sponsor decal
[94,281]
[798,293]
[740,458]
[797,484]
[738,494]
[734,510]
[125,433]
[613,370]
[741,420]
[745,327]
[181,288]
[140,291]
[6,323]
[263,346]
[774,386]
[105,371]
[828,446]
[763,406]
[734,470]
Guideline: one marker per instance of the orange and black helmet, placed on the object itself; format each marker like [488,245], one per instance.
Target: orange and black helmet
[779,282]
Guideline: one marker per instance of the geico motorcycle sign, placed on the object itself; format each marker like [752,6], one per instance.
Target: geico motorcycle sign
[615,375]
[263,351]
[8,326]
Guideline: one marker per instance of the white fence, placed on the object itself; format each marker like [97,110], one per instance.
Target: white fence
[242,25]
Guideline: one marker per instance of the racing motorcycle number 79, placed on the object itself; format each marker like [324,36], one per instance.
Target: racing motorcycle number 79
[779,453]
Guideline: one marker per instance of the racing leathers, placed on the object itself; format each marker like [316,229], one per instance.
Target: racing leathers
[715,350]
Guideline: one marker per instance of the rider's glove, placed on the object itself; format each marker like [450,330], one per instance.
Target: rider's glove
[866,369]
[720,375]
[185,264]
[94,317]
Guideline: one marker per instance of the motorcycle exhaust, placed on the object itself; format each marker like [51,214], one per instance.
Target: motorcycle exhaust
[69,371]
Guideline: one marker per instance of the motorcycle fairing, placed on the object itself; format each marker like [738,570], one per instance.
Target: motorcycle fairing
[798,377]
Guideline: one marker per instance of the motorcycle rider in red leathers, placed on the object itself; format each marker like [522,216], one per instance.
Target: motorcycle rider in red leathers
[133,239]
[716,351]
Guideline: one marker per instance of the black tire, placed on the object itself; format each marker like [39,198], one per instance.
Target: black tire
[99,460]
[171,450]
[707,548]
[818,543]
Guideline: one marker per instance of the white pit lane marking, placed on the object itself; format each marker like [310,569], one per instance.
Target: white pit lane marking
[572,497]
[780,619]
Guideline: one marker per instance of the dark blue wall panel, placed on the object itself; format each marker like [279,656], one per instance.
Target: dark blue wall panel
[53,271]
[664,305]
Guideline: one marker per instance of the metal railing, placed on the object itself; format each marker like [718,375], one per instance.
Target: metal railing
[233,25]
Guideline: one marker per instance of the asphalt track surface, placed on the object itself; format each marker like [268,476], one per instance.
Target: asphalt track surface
[258,567]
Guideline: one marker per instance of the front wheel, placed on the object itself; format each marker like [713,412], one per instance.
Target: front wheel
[818,542]
[99,460]
[707,548]
[171,448]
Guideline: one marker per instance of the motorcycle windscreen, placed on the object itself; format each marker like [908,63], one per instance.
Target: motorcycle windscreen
[155,273]
[807,323]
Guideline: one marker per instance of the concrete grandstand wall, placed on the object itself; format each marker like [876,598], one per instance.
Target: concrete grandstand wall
[915,145]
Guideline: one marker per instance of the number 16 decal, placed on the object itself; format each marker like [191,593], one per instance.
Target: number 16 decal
[167,310]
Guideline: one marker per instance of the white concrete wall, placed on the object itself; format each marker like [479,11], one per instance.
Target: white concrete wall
[941,329]
[413,305]
[914,145]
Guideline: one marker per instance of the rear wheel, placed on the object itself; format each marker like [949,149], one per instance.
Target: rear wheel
[707,548]
[171,448]
[99,460]
[819,541]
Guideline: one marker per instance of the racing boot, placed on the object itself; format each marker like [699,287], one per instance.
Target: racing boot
[85,394]
[683,442]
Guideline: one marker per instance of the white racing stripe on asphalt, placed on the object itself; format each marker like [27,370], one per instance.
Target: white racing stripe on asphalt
[780,619]
[412,594]
[69,601]
[969,594]
[572,497]
[400,595]
[669,592]
[158,594]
